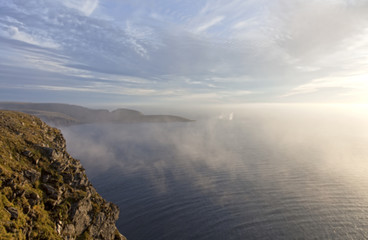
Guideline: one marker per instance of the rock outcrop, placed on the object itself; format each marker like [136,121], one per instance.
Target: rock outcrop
[44,192]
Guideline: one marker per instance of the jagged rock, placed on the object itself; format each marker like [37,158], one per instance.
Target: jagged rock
[33,198]
[32,175]
[47,150]
[19,192]
[27,154]
[68,231]
[13,213]
[79,215]
[64,205]
[101,226]
[51,191]
[52,153]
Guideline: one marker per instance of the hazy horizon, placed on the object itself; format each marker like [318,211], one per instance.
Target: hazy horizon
[277,172]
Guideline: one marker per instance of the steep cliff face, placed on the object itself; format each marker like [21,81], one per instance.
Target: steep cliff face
[44,192]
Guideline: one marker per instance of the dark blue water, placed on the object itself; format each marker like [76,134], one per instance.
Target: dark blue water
[241,179]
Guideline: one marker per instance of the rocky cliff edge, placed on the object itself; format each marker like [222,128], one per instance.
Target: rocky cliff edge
[44,192]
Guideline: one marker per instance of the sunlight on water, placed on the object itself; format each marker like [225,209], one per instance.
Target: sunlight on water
[261,171]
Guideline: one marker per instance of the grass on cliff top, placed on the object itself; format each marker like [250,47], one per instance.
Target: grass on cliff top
[19,133]
[21,139]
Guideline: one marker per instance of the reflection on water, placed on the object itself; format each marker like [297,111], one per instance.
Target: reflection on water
[270,174]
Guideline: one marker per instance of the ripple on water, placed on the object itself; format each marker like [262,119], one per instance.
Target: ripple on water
[250,188]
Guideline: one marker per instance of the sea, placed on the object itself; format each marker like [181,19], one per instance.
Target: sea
[250,172]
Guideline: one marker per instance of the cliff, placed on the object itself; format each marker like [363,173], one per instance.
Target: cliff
[44,192]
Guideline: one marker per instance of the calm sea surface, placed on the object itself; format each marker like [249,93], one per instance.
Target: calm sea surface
[232,176]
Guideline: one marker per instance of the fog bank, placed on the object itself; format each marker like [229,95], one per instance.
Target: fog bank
[228,140]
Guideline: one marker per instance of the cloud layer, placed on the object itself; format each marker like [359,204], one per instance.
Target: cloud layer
[184,51]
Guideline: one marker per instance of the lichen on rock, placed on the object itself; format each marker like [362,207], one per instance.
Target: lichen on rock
[44,192]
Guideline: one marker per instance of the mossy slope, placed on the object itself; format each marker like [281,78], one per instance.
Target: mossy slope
[44,192]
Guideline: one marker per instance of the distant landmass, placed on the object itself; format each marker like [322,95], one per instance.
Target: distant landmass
[66,115]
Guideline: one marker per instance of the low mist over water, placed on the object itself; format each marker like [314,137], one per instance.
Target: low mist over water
[255,172]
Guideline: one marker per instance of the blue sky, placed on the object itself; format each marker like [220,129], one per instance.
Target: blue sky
[184,52]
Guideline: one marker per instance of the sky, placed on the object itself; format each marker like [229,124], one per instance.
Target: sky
[184,52]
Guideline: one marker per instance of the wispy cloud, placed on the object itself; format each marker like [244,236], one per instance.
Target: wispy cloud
[15,33]
[209,24]
[273,47]
[354,86]
[99,88]
[84,6]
